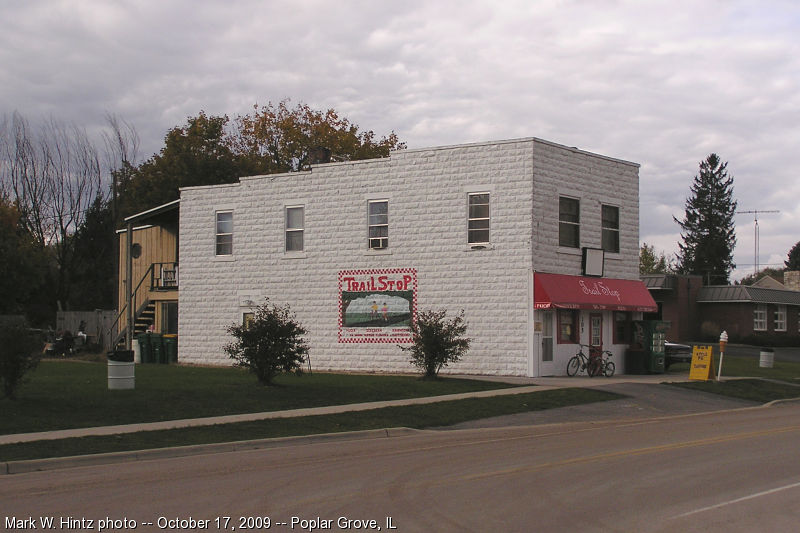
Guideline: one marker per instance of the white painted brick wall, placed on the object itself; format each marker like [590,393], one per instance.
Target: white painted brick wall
[427,192]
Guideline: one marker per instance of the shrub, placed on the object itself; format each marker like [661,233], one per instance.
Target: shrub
[269,344]
[437,342]
[19,353]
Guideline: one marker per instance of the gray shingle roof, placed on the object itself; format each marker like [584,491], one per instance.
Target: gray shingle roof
[743,293]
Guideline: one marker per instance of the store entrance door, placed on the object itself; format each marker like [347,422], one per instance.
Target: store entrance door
[596,331]
[546,365]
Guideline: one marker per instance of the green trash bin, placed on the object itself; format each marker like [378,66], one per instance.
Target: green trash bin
[170,348]
[145,349]
[157,347]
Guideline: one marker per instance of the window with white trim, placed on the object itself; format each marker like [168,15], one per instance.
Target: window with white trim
[478,220]
[224,233]
[569,222]
[779,318]
[760,318]
[610,226]
[295,225]
[378,224]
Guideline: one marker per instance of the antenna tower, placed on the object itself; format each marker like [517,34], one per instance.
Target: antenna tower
[755,229]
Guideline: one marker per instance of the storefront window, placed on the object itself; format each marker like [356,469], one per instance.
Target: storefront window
[568,326]
[622,327]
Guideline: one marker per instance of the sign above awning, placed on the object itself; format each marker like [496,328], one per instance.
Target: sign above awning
[561,291]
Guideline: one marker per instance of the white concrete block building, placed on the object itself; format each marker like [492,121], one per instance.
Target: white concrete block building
[357,248]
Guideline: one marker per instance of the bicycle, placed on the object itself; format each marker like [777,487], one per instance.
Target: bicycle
[592,364]
[607,366]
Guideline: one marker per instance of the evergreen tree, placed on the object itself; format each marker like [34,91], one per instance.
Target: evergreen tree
[650,263]
[793,261]
[93,278]
[707,230]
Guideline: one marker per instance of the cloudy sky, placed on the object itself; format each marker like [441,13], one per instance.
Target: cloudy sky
[660,83]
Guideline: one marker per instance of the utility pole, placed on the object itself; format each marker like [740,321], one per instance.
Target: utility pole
[755,219]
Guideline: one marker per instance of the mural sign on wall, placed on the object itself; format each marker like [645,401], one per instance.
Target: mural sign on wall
[377,305]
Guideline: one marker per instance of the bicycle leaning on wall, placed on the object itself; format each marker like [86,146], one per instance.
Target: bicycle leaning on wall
[596,363]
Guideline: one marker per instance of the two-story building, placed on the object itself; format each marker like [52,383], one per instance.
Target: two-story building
[538,243]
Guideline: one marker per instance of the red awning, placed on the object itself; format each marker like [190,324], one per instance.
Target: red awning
[580,292]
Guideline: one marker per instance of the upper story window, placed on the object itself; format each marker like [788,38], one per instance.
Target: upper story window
[478,220]
[569,222]
[780,318]
[378,224]
[224,230]
[295,225]
[610,223]
[760,318]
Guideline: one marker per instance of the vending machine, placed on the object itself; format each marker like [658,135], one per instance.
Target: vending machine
[649,336]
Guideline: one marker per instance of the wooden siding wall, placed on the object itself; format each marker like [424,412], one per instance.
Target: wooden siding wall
[159,245]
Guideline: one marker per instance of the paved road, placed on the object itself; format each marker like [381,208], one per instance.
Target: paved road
[722,471]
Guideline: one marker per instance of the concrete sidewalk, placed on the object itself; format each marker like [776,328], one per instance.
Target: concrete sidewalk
[527,385]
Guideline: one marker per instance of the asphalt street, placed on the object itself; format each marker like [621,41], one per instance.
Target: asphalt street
[722,471]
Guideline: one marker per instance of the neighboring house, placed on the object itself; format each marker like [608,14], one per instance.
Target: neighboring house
[152,265]
[676,297]
[748,312]
[538,243]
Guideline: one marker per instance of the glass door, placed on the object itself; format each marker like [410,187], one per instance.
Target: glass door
[546,366]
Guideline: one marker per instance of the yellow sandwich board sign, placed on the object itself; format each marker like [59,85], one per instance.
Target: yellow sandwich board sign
[702,363]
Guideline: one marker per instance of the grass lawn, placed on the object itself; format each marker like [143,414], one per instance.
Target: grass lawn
[735,366]
[757,390]
[70,394]
[415,416]
[786,376]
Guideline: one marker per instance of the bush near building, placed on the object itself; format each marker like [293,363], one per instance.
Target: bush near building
[437,341]
[269,344]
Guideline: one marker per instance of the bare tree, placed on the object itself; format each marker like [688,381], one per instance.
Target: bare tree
[122,152]
[53,175]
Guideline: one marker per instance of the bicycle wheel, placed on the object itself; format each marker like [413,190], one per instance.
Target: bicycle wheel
[609,368]
[573,365]
[593,367]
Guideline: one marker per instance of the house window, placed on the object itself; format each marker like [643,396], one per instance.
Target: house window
[760,318]
[779,318]
[247,319]
[622,327]
[224,233]
[610,216]
[378,221]
[569,222]
[567,326]
[478,218]
[294,228]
